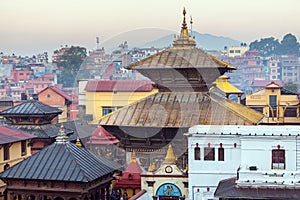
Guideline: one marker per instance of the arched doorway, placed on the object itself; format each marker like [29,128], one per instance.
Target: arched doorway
[168,191]
[58,198]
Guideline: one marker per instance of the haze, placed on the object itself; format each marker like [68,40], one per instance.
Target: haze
[34,26]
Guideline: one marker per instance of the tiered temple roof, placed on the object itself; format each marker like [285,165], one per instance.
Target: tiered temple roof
[183,74]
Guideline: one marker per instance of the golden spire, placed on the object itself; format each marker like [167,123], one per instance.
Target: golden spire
[133,157]
[184,30]
[152,167]
[78,143]
[184,40]
[170,157]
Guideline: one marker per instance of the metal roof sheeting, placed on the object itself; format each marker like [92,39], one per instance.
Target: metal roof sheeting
[180,58]
[119,86]
[61,162]
[181,109]
[31,107]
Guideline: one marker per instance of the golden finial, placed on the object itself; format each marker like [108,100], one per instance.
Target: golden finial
[170,157]
[62,127]
[152,167]
[133,157]
[78,143]
[184,30]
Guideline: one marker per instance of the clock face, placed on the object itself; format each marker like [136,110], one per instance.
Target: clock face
[169,169]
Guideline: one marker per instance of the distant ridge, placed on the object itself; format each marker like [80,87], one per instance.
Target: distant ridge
[204,41]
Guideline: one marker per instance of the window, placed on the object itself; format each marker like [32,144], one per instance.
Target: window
[209,153]
[23,148]
[231,51]
[6,152]
[273,104]
[197,152]
[6,166]
[48,95]
[107,110]
[278,159]
[290,112]
[258,109]
[221,153]
[237,51]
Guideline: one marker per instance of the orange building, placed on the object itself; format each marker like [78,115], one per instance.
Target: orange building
[54,96]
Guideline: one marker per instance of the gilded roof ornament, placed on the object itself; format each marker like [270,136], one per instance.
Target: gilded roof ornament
[184,30]
[152,167]
[184,40]
[78,143]
[170,157]
[133,157]
[62,136]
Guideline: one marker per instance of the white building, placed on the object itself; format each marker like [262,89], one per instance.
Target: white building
[255,155]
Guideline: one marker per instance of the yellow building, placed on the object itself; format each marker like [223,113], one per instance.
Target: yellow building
[237,51]
[106,96]
[14,147]
[279,105]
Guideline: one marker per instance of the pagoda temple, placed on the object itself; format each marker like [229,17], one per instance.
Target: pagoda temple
[182,73]
[60,171]
[34,117]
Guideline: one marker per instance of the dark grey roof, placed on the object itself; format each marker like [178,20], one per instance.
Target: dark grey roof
[61,162]
[31,107]
[44,131]
[81,130]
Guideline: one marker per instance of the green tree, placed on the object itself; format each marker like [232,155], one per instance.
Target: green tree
[70,62]
[266,46]
[291,87]
[289,45]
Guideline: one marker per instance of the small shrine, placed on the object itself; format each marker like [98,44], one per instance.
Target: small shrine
[130,182]
[166,182]
[36,118]
[60,171]
[103,144]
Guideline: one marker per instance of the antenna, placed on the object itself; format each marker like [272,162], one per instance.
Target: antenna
[191,22]
[97,42]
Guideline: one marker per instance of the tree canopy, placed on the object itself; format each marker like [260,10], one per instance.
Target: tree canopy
[291,87]
[271,46]
[70,61]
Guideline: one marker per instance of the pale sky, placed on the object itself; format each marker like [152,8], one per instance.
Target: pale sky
[32,26]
